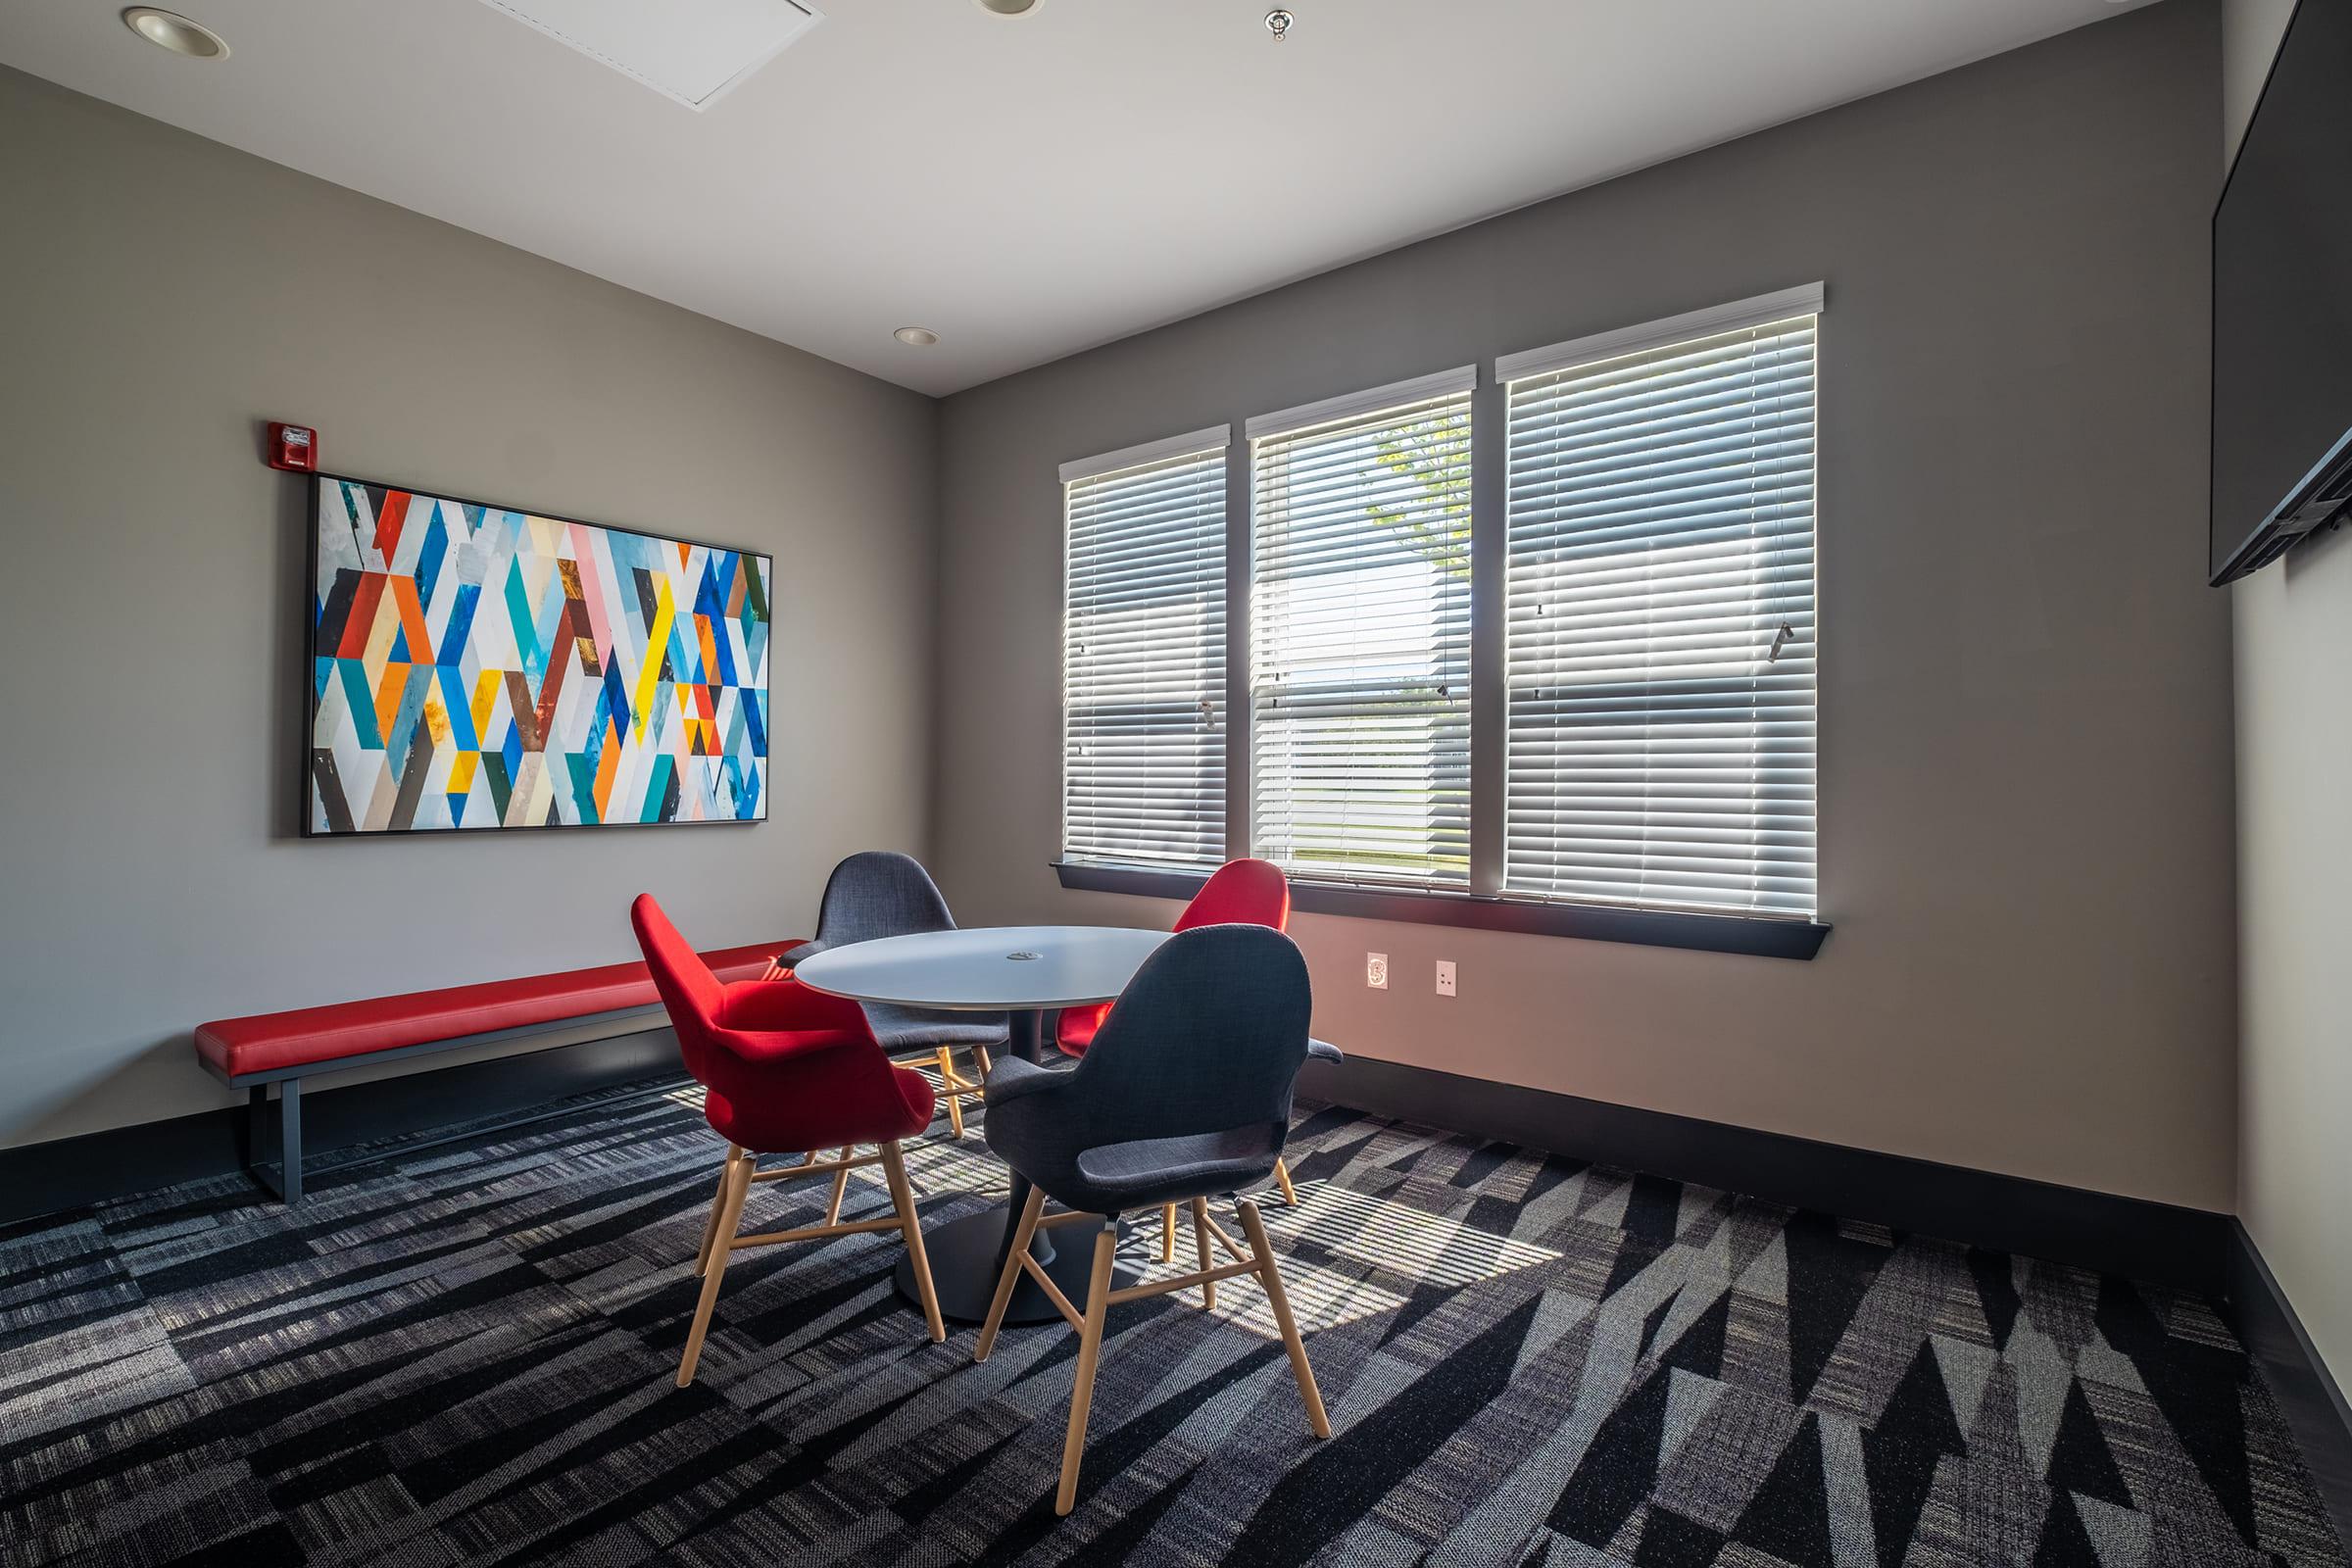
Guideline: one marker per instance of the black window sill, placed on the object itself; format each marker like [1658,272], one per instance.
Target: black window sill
[1702,933]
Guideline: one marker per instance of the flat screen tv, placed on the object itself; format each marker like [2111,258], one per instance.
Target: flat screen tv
[2283,305]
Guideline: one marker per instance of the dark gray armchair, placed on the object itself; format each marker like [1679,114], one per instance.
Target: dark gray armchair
[1184,1094]
[879,893]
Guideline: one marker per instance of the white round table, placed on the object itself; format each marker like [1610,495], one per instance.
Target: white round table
[1024,971]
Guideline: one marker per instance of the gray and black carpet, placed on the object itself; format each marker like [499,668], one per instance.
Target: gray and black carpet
[461,1353]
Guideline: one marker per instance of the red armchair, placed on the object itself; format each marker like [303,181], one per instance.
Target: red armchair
[1237,892]
[784,1069]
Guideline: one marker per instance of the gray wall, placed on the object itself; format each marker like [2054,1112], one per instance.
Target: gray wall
[159,294]
[2294,766]
[2026,701]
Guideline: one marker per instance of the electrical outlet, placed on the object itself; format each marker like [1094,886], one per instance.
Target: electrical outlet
[1376,970]
[1444,977]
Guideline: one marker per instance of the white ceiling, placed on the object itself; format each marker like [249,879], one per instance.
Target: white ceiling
[1026,187]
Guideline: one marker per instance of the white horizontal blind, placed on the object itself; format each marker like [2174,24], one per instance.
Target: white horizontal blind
[1144,662]
[1660,616]
[1360,643]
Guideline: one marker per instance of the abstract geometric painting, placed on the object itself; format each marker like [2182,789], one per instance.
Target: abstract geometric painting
[478,667]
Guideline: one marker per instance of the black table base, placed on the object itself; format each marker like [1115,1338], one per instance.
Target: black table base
[968,1254]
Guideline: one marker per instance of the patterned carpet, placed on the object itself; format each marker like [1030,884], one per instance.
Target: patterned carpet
[461,1353]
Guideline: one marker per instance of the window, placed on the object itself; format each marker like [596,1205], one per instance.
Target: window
[1660,614]
[1644,694]
[1359,670]
[1143,656]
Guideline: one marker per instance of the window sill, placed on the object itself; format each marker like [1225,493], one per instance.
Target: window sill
[1702,933]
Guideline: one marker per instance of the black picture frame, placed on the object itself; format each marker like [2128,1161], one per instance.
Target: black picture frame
[314,484]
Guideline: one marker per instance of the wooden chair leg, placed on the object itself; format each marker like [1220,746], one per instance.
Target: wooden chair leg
[1168,1234]
[981,1059]
[718,1200]
[1090,1351]
[1281,1302]
[841,1187]
[1282,1179]
[946,1091]
[730,1215]
[910,1225]
[1208,1288]
[1021,1237]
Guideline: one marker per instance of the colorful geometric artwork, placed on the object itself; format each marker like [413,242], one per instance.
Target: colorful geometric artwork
[478,667]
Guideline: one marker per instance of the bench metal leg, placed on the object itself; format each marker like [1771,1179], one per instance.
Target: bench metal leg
[289,1139]
[286,1186]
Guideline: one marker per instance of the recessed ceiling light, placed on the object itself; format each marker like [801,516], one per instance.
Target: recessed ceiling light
[1007,8]
[168,30]
[921,338]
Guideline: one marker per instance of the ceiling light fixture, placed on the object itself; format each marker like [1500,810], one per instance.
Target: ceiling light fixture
[917,337]
[1007,8]
[1278,23]
[168,30]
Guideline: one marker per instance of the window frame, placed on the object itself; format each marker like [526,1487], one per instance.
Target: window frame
[1435,391]
[1676,334]
[1483,905]
[1212,443]
[1747,935]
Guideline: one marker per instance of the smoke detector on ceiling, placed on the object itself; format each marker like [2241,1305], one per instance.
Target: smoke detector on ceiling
[693,51]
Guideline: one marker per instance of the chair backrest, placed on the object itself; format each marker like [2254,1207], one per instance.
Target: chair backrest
[879,893]
[1241,892]
[1207,1037]
[689,990]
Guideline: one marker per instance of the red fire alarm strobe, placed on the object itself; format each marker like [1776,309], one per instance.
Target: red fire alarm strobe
[294,447]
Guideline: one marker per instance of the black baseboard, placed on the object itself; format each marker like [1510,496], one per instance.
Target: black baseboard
[2308,1396]
[2183,1248]
[2179,1246]
[68,1172]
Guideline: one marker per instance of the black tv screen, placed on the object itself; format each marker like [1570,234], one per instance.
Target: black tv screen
[2283,303]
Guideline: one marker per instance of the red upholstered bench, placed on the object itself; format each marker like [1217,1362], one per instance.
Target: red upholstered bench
[284,1048]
